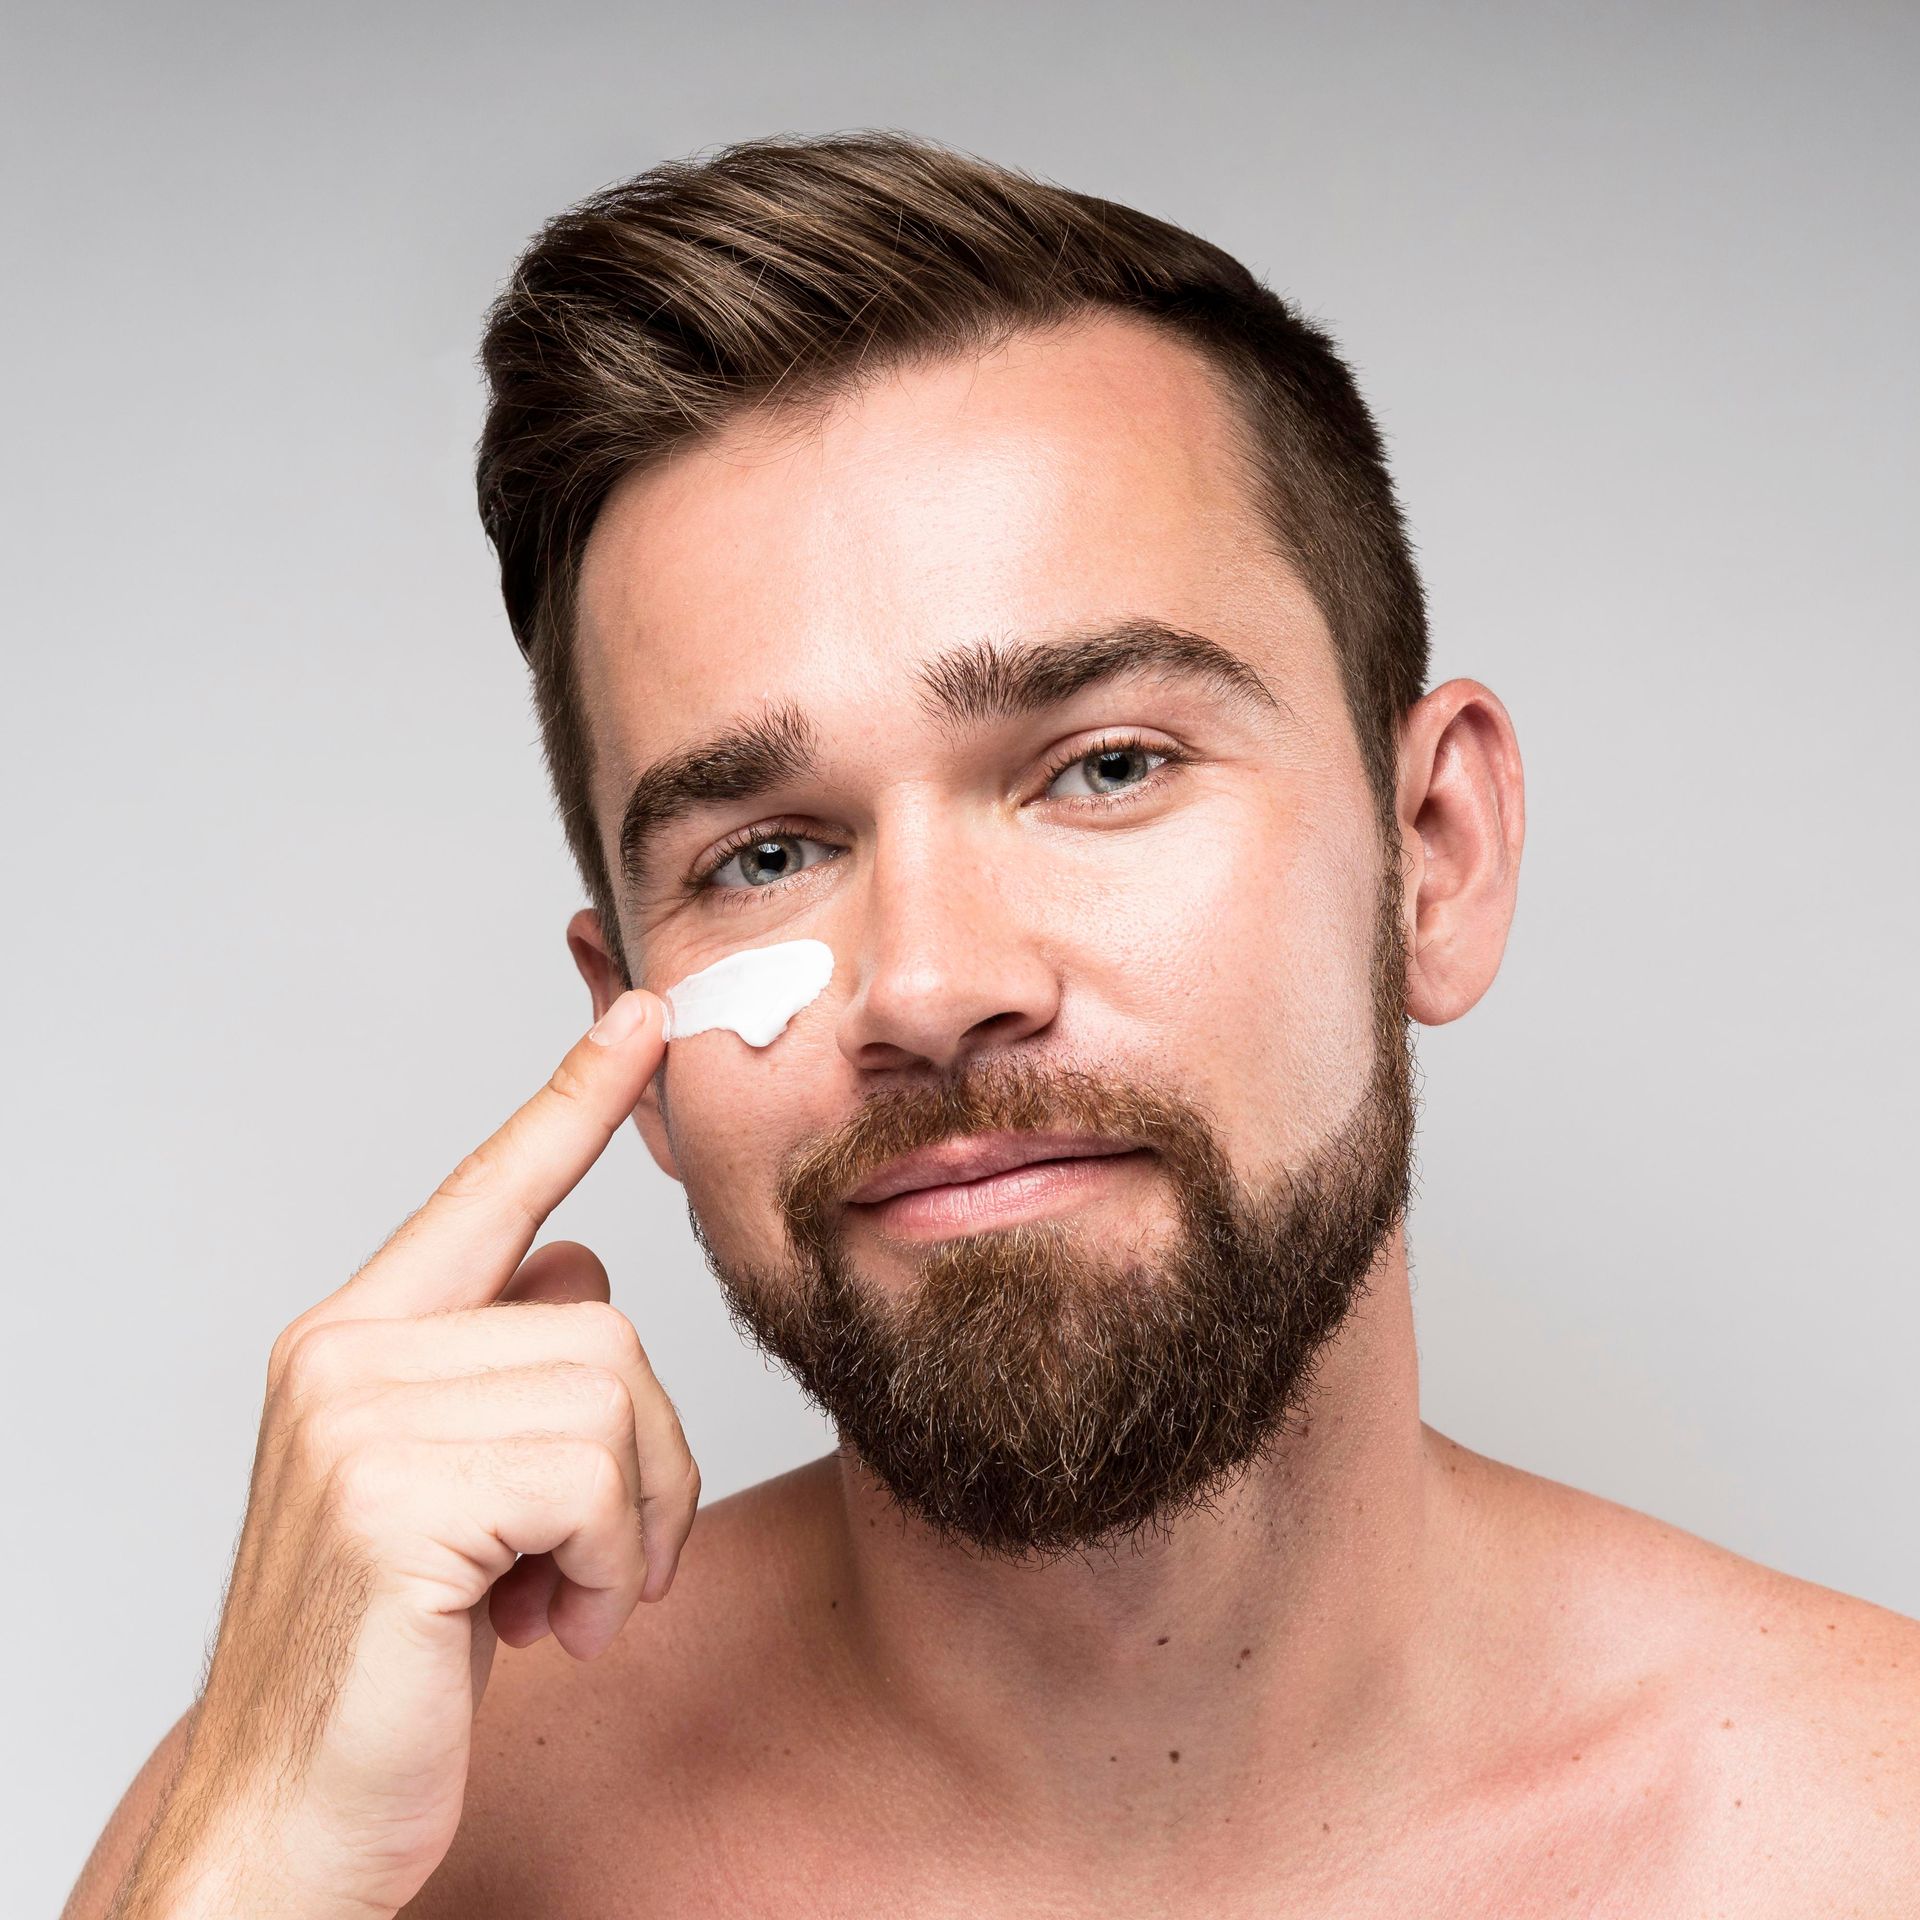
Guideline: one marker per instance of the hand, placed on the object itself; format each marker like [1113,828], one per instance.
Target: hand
[454,1405]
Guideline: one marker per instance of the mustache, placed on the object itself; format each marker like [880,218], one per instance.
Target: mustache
[992,1094]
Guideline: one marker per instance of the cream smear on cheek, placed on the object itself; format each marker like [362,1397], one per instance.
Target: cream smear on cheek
[754,992]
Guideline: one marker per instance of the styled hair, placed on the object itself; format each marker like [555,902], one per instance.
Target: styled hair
[789,270]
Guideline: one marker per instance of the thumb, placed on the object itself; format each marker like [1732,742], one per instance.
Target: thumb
[560,1272]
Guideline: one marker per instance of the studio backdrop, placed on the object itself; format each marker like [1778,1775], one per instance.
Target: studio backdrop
[1633,294]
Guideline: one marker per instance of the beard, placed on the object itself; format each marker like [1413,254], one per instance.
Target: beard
[1033,1395]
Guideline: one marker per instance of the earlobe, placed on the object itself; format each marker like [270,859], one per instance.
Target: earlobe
[1463,820]
[587,943]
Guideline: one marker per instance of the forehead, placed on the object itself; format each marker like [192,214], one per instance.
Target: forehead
[1068,478]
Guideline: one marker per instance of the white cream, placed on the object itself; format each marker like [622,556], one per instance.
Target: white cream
[755,991]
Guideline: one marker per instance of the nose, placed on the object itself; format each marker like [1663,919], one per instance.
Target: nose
[950,960]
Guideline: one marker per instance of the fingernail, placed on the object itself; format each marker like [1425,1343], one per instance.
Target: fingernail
[619,1020]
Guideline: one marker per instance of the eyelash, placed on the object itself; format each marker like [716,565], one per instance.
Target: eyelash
[698,883]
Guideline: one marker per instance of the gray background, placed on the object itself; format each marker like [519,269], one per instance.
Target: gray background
[1633,291]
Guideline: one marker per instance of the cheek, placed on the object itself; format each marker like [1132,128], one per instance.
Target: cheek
[732,1112]
[1240,946]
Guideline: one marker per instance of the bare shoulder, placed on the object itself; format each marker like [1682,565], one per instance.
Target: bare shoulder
[588,1774]
[1788,1712]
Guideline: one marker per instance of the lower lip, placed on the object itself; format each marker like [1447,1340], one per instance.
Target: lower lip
[999,1200]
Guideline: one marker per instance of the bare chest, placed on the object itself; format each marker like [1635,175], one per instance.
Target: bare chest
[799,1836]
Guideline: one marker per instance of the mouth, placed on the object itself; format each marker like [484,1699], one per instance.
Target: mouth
[988,1180]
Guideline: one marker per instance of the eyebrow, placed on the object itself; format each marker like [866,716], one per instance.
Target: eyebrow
[959,690]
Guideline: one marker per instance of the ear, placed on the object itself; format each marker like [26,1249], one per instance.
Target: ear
[1463,819]
[588,945]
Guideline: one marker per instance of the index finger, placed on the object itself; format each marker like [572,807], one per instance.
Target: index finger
[463,1246]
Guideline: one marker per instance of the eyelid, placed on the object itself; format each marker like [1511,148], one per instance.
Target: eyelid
[743,837]
[1110,740]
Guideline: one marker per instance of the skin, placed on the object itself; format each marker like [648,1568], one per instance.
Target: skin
[1385,1675]
[1429,1638]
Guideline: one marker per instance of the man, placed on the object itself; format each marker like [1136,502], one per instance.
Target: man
[1006,591]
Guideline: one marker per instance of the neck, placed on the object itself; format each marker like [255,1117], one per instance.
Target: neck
[1259,1641]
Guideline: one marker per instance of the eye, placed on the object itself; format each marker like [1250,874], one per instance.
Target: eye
[1110,769]
[761,860]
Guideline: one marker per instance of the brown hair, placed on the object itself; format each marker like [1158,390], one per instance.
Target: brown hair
[789,270]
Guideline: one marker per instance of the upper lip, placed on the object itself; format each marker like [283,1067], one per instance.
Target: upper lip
[977,1156]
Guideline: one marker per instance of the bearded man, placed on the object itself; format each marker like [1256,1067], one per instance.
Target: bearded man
[1002,593]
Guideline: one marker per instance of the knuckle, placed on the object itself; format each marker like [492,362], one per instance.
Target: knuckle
[611,1334]
[605,1484]
[282,1349]
[312,1363]
[693,1482]
[608,1399]
[287,1342]
[322,1440]
[484,1180]
[676,1486]
[362,1480]
[567,1082]
[473,1179]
